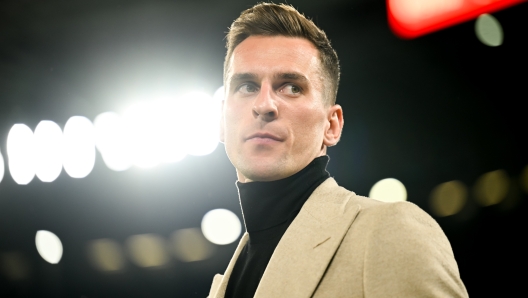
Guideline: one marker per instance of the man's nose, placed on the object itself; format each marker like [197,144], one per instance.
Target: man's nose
[265,106]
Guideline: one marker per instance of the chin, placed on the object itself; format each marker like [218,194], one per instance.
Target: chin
[263,171]
[263,177]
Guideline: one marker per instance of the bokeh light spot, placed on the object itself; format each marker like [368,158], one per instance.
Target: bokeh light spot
[174,126]
[489,30]
[21,153]
[49,246]
[189,245]
[415,11]
[204,129]
[48,151]
[147,250]
[221,226]
[144,131]
[79,147]
[448,198]
[106,255]
[14,265]
[491,188]
[388,190]
[219,94]
[111,141]
[2,166]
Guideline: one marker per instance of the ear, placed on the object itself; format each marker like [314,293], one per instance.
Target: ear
[335,126]
[222,129]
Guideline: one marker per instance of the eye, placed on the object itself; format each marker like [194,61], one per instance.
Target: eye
[247,88]
[290,89]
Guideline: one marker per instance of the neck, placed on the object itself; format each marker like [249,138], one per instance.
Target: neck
[268,203]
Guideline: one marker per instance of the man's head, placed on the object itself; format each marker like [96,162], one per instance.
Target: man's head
[280,78]
[266,19]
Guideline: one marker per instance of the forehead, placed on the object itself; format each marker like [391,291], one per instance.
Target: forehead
[269,55]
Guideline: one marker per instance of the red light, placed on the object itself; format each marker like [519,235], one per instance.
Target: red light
[412,18]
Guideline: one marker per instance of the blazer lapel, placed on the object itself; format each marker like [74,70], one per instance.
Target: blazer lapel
[219,286]
[306,249]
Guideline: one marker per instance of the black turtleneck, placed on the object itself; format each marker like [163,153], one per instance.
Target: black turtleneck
[268,209]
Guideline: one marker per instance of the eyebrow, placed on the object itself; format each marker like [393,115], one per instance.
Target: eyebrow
[294,76]
[237,77]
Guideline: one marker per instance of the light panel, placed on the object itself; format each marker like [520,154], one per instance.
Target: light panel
[79,147]
[48,151]
[49,246]
[221,226]
[413,18]
[20,153]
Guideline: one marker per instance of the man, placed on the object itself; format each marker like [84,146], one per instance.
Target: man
[306,236]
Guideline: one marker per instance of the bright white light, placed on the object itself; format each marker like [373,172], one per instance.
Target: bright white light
[48,151]
[221,226]
[143,131]
[158,131]
[79,145]
[388,190]
[203,123]
[173,129]
[219,94]
[49,246]
[20,152]
[489,30]
[1,167]
[112,142]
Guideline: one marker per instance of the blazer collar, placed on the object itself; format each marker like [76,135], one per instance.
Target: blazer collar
[306,249]
[219,286]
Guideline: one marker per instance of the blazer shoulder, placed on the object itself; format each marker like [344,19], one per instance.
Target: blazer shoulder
[389,213]
[404,252]
[331,191]
[408,253]
[374,210]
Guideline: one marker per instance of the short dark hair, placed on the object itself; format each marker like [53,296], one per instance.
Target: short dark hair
[268,19]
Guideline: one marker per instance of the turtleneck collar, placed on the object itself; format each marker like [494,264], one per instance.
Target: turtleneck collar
[268,204]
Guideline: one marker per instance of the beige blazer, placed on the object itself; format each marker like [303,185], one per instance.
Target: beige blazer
[344,245]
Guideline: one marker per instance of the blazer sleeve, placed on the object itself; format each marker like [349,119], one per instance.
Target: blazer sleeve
[408,255]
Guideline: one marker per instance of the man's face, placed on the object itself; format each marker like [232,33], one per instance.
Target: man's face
[274,114]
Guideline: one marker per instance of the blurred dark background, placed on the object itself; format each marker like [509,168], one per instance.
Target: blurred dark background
[426,111]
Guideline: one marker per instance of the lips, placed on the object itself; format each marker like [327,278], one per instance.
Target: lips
[264,135]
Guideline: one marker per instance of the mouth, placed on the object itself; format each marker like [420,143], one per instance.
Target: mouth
[263,136]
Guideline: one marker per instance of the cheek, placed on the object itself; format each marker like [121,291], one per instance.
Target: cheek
[308,127]
[232,121]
